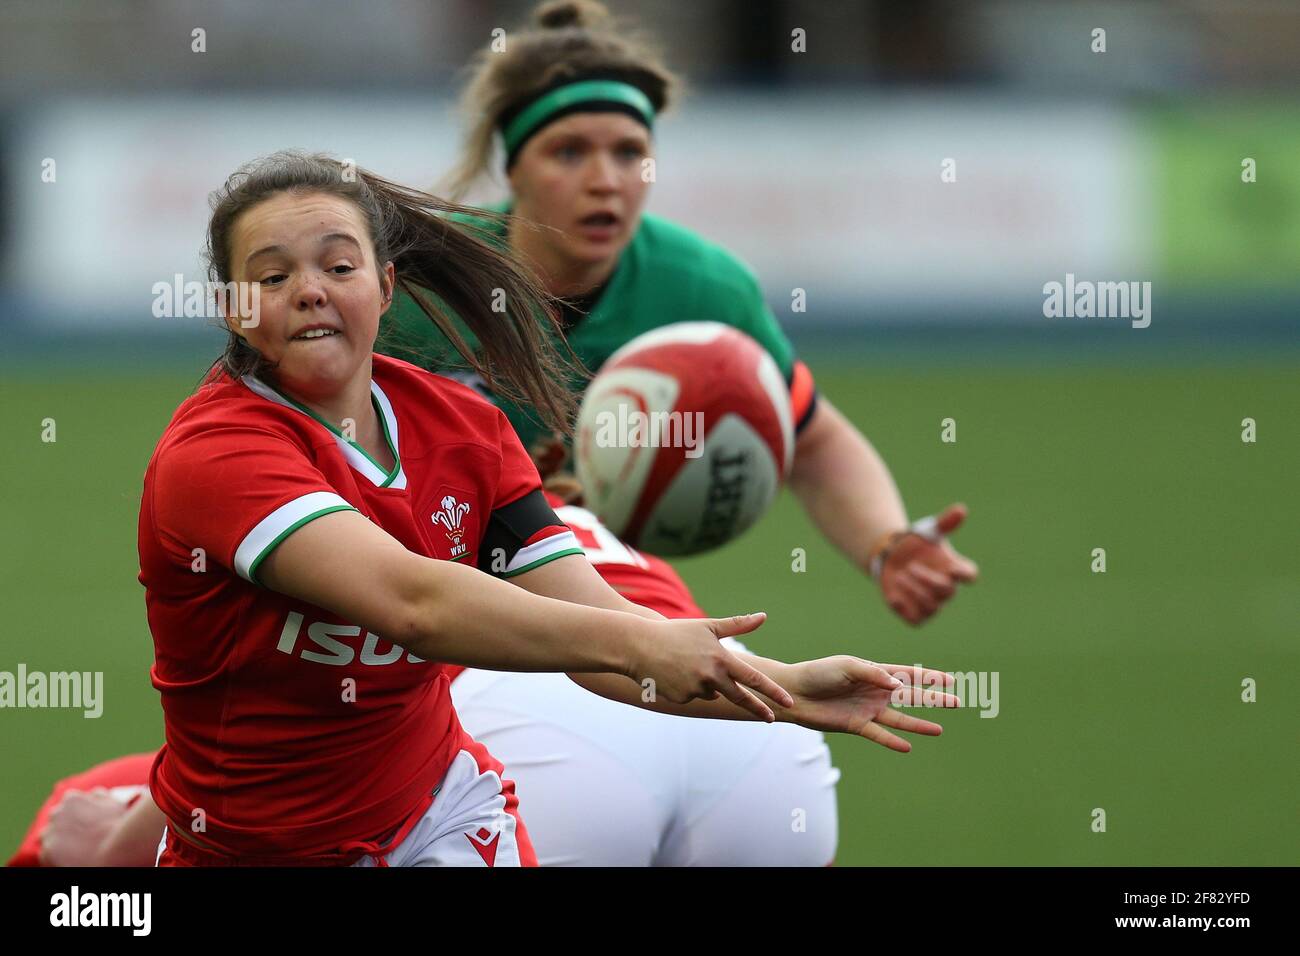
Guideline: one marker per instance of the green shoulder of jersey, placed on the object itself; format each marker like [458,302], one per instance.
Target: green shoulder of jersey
[405,332]
[666,274]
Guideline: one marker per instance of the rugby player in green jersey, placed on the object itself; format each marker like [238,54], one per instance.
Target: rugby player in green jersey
[574,103]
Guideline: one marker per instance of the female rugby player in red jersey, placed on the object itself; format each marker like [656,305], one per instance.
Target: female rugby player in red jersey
[314,531]
[689,792]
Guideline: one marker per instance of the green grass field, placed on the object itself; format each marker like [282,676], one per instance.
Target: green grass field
[1119,691]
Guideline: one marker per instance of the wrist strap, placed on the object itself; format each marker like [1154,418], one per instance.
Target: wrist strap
[926,527]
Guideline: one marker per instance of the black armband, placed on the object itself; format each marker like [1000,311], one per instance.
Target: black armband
[523,535]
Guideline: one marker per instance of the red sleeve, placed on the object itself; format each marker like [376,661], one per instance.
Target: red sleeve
[518,473]
[236,491]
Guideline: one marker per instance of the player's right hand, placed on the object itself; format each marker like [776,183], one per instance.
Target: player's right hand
[684,661]
[78,826]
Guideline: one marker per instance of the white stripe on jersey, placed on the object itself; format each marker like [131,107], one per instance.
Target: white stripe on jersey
[389,421]
[259,542]
[528,557]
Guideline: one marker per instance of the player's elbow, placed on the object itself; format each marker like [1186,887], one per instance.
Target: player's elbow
[420,609]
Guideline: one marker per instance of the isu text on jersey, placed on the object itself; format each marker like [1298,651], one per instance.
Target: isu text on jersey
[267,752]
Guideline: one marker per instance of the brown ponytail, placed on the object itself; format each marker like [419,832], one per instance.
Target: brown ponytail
[517,356]
[573,38]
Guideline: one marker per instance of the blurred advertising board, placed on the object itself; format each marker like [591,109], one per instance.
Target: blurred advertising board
[867,203]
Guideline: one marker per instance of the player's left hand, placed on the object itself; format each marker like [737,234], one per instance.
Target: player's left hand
[919,569]
[78,826]
[848,695]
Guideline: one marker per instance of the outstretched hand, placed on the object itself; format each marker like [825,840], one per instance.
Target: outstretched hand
[685,661]
[849,695]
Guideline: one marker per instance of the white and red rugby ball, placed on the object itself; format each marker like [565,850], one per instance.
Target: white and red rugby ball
[684,437]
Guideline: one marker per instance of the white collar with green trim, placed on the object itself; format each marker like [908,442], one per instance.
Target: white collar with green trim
[357,456]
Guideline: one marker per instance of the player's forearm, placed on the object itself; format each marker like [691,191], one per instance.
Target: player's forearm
[844,484]
[460,615]
[625,690]
[573,579]
[133,841]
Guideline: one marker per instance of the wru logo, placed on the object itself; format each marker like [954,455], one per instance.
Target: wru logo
[450,517]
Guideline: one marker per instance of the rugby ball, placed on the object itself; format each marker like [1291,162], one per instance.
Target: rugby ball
[684,437]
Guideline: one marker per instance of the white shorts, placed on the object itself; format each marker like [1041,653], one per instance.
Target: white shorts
[473,820]
[466,825]
[608,784]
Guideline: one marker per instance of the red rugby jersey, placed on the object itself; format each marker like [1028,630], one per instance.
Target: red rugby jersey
[293,731]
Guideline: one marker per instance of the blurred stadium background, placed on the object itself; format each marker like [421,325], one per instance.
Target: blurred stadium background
[924,301]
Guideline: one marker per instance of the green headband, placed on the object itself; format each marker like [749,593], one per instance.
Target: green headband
[565,97]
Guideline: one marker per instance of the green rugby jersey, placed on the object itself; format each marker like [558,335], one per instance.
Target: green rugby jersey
[666,274]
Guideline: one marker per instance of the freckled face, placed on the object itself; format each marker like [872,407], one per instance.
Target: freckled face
[321,292]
